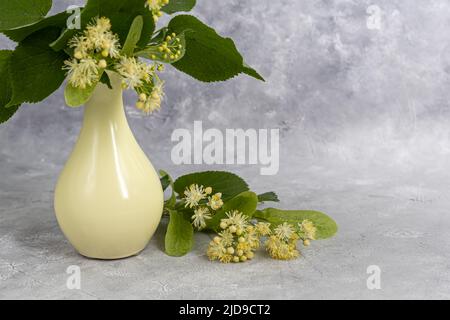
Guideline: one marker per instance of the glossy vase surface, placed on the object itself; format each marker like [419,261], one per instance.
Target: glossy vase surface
[108,199]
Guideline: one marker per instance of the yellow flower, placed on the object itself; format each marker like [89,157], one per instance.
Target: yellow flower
[83,73]
[97,30]
[239,244]
[96,38]
[216,202]
[263,229]
[227,238]
[308,229]
[226,258]
[155,7]
[215,251]
[281,250]
[134,72]
[82,46]
[208,190]
[244,246]
[200,216]
[153,102]
[284,231]
[252,239]
[193,195]
[236,219]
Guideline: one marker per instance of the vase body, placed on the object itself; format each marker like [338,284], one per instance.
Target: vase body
[108,199]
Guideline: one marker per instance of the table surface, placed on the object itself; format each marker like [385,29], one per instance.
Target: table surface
[386,218]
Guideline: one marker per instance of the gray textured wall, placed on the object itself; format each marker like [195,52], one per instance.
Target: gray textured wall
[365,136]
[337,89]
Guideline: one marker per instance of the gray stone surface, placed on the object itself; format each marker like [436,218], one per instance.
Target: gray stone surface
[364,115]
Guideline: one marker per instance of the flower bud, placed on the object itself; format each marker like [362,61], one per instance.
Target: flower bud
[78,55]
[102,64]
[208,190]
[143,97]
[140,105]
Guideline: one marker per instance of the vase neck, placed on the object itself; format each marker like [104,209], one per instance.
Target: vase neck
[105,107]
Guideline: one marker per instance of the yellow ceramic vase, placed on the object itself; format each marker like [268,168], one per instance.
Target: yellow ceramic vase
[108,199]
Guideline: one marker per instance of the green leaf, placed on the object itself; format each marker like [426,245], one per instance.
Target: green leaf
[5,87]
[167,181]
[7,113]
[120,12]
[20,34]
[229,184]
[326,226]
[133,36]
[152,52]
[246,202]
[252,72]
[36,70]
[19,13]
[209,57]
[76,97]
[268,197]
[178,6]
[179,236]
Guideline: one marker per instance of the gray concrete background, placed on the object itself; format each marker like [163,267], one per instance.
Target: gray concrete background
[364,115]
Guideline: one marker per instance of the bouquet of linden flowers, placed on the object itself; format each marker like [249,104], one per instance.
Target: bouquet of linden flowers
[222,203]
[105,37]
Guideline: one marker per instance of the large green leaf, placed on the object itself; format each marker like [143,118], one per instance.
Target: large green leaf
[178,6]
[19,13]
[20,34]
[5,87]
[179,236]
[245,202]
[36,70]
[326,227]
[7,113]
[209,57]
[121,13]
[229,184]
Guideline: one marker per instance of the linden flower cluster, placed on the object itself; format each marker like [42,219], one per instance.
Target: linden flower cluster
[98,49]
[155,7]
[238,240]
[282,244]
[91,50]
[142,78]
[170,49]
[203,202]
